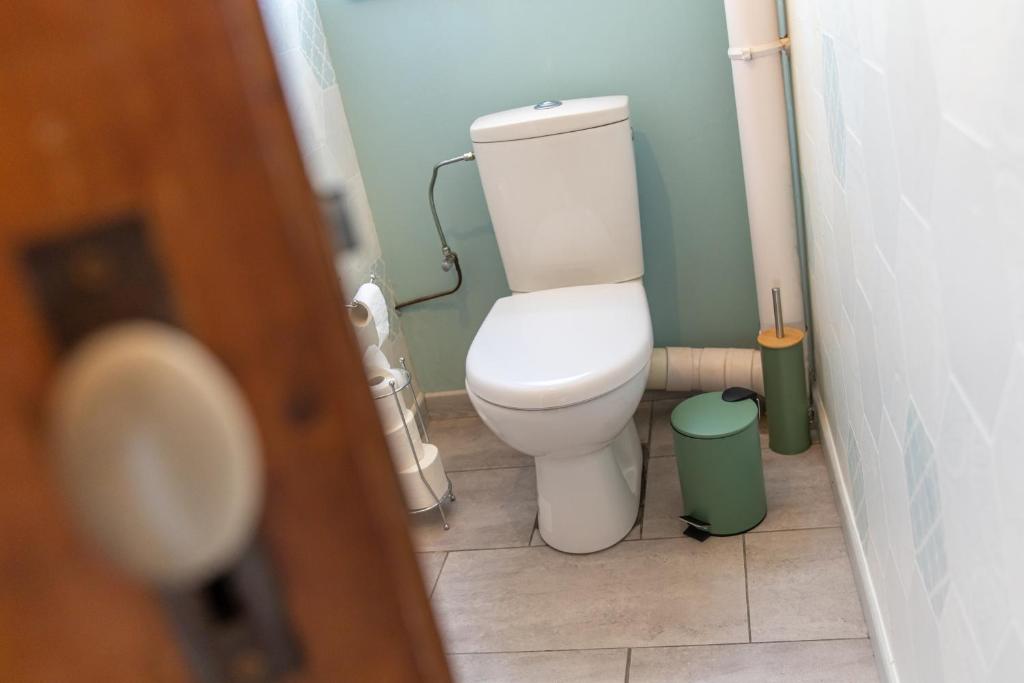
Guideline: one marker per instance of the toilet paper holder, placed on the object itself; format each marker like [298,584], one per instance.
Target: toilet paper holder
[398,380]
[356,304]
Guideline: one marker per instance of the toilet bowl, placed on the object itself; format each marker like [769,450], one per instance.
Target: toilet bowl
[557,374]
[558,368]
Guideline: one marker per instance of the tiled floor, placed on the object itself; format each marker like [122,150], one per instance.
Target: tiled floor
[776,604]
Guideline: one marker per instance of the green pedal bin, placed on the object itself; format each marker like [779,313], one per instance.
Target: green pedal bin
[718,451]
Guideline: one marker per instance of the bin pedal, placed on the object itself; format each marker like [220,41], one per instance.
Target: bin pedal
[696,528]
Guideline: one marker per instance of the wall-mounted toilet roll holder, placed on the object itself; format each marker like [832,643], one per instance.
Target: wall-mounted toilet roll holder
[355,304]
[400,380]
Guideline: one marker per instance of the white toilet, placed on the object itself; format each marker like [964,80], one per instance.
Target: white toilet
[558,368]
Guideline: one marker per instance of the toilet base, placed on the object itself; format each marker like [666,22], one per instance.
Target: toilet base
[589,502]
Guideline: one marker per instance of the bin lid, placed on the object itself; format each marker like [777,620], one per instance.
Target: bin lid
[708,416]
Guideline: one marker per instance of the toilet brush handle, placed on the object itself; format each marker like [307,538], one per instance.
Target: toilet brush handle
[780,330]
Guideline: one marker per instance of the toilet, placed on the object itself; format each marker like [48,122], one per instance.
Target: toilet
[558,368]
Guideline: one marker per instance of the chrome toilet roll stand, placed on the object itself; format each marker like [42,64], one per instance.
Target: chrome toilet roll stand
[403,382]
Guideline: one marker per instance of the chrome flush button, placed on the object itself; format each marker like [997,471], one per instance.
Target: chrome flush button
[548,104]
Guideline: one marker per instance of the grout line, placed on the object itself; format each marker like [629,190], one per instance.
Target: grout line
[799,640]
[786,531]
[478,550]
[625,540]
[795,528]
[758,642]
[578,649]
[746,590]
[629,662]
[666,647]
[433,586]
[520,547]
[497,467]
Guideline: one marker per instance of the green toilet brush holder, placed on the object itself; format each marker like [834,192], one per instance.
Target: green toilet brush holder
[785,385]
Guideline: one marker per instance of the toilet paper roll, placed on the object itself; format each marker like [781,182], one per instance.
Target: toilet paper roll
[374,360]
[370,313]
[389,411]
[417,496]
[398,444]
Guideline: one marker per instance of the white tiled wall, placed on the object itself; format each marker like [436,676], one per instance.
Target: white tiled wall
[318,116]
[911,132]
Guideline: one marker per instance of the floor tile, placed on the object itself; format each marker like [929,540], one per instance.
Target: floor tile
[836,661]
[492,509]
[430,568]
[567,666]
[664,503]
[799,491]
[642,417]
[538,540]
[467,444]
[661,427]
[641,593]
[801,586]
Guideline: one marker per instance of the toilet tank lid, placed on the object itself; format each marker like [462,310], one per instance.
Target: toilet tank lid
[550,118]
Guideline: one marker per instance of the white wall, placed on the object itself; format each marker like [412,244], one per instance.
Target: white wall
[321,127]
[911,132]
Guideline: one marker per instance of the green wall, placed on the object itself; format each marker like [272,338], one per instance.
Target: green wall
[415,73]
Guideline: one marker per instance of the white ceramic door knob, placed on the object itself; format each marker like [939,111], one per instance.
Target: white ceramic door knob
[158,452]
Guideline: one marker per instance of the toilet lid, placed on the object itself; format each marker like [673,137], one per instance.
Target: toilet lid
[558,347]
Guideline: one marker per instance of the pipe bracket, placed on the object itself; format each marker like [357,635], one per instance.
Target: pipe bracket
[745,54]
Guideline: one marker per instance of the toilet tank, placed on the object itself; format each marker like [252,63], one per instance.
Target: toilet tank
[560,183]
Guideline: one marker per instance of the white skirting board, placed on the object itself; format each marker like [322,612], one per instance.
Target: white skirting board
[865,585]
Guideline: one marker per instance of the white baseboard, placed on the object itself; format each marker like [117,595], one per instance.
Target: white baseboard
[865,584]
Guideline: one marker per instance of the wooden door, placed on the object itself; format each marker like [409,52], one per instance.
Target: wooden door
[147,159]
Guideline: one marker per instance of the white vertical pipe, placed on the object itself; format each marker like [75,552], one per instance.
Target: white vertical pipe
[764,145]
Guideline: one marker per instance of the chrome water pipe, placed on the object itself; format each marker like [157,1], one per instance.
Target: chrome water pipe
[449,258]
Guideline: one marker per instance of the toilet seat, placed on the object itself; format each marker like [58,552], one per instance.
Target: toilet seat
[559,347]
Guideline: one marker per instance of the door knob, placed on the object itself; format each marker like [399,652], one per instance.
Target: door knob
[158,453]
[160,458]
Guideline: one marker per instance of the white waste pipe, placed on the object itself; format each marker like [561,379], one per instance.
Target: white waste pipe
[679,368]
[754,48]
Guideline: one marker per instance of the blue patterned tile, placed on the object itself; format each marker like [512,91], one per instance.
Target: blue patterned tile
[834,109]
[917,449]
[924,506]
[856,469]
[313,43]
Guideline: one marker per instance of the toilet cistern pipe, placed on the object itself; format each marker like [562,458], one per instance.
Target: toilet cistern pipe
[448,257]
[780,331]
